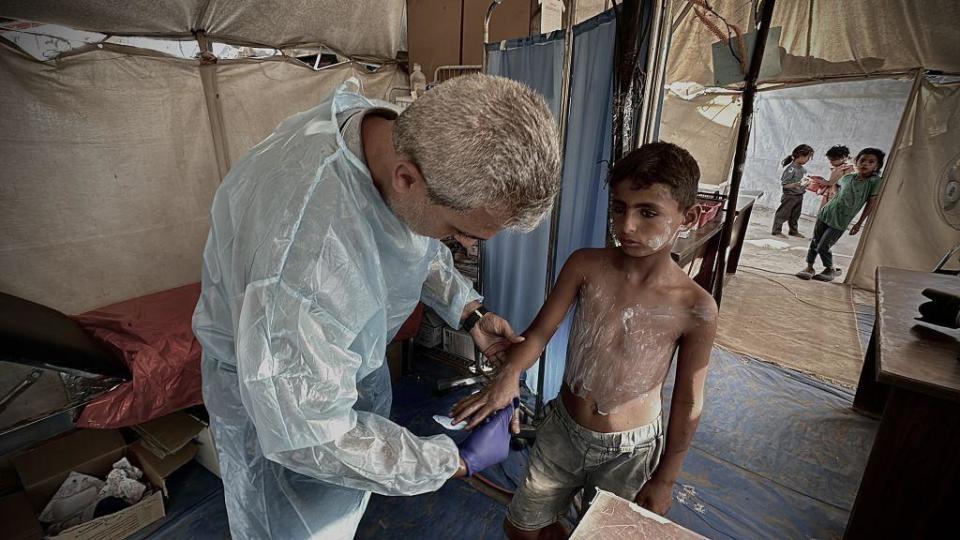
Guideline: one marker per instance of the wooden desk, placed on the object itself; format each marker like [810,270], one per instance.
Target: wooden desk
[705,242]
[911,375]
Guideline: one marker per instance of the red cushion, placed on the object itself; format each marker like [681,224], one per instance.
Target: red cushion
[153,336]
[411,326]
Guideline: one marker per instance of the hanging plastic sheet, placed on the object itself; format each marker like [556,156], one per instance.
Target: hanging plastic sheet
[856,114]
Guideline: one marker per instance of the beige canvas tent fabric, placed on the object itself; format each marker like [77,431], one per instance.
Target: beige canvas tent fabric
[255,96]
[907,230]
[108,164]
[690,46]
[373,28]
[707,127]
[106,177]
[823,38]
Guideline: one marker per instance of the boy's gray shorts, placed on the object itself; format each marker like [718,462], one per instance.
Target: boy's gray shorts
[568,457]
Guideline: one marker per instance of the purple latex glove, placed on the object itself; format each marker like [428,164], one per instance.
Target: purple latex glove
[488,443]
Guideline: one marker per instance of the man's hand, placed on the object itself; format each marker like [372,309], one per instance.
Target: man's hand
[855,229]
[461,469]
[656,496]
[493,336]
[495,396]
[490,443]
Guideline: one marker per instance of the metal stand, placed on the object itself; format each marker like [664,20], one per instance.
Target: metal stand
[743,138]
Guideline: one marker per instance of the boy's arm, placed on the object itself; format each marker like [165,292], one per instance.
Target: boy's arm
[686,404]
[521,356]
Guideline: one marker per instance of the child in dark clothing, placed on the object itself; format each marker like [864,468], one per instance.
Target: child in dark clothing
[794,183]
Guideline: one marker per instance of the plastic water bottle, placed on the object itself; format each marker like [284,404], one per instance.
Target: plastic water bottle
[418,81]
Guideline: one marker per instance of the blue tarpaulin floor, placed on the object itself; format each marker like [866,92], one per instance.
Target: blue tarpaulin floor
[778,455]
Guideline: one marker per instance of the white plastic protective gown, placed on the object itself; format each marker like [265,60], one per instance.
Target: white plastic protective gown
[307,276]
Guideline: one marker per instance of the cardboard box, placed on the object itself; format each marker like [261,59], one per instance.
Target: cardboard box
[43,469]
[168,435]
[207,452]
[459,343]
[19,522]
[430,334]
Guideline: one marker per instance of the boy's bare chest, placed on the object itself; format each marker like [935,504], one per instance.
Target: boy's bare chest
[632,319]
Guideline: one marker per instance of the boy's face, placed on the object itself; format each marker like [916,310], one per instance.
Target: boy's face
[647,221]
[867,164]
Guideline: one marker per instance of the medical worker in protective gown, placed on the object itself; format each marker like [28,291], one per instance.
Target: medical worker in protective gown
[323,240]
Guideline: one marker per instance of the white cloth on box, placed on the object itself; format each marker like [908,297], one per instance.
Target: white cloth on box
[122,483]
[73,503]
[307,277]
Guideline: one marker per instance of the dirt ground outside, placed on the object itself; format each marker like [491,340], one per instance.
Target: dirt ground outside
[770,314]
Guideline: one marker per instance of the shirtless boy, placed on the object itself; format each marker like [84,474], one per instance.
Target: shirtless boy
[634,308]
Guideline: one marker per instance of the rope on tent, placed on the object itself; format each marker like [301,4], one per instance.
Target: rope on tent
[701,9]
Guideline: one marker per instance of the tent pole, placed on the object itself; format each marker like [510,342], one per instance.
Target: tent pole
[211,93]
[743,138]
[905,116]
[566,74]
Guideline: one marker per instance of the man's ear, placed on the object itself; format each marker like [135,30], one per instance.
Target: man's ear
[691,216]
[406,175]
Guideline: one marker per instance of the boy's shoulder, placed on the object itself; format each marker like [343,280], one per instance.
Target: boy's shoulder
[590,256]
[695,298]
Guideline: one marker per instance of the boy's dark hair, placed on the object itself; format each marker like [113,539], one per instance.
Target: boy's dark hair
[878,153]
[660,163]
[838,151]
[801,150]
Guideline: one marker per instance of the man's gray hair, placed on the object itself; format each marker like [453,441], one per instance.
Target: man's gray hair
[484,142]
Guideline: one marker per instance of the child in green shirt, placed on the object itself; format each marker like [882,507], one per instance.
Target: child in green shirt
[856,190]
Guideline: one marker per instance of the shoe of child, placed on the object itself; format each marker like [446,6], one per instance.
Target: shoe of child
[778,234]
[796,234]
[828,274]
[805,274]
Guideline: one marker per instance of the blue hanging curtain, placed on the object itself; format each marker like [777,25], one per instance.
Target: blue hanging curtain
[515,264]
[584,195]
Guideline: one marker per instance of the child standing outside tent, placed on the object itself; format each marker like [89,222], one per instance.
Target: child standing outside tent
[856,190]
[794,185]
[634,308]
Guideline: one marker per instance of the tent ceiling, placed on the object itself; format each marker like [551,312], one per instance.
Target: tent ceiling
[371,28]
[827,38]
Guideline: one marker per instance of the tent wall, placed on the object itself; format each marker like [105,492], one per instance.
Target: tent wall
[106,177]
[825,38]
[108,165]
[374,28]
[907,230]
[255,96]
[857,114]
[707,127]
